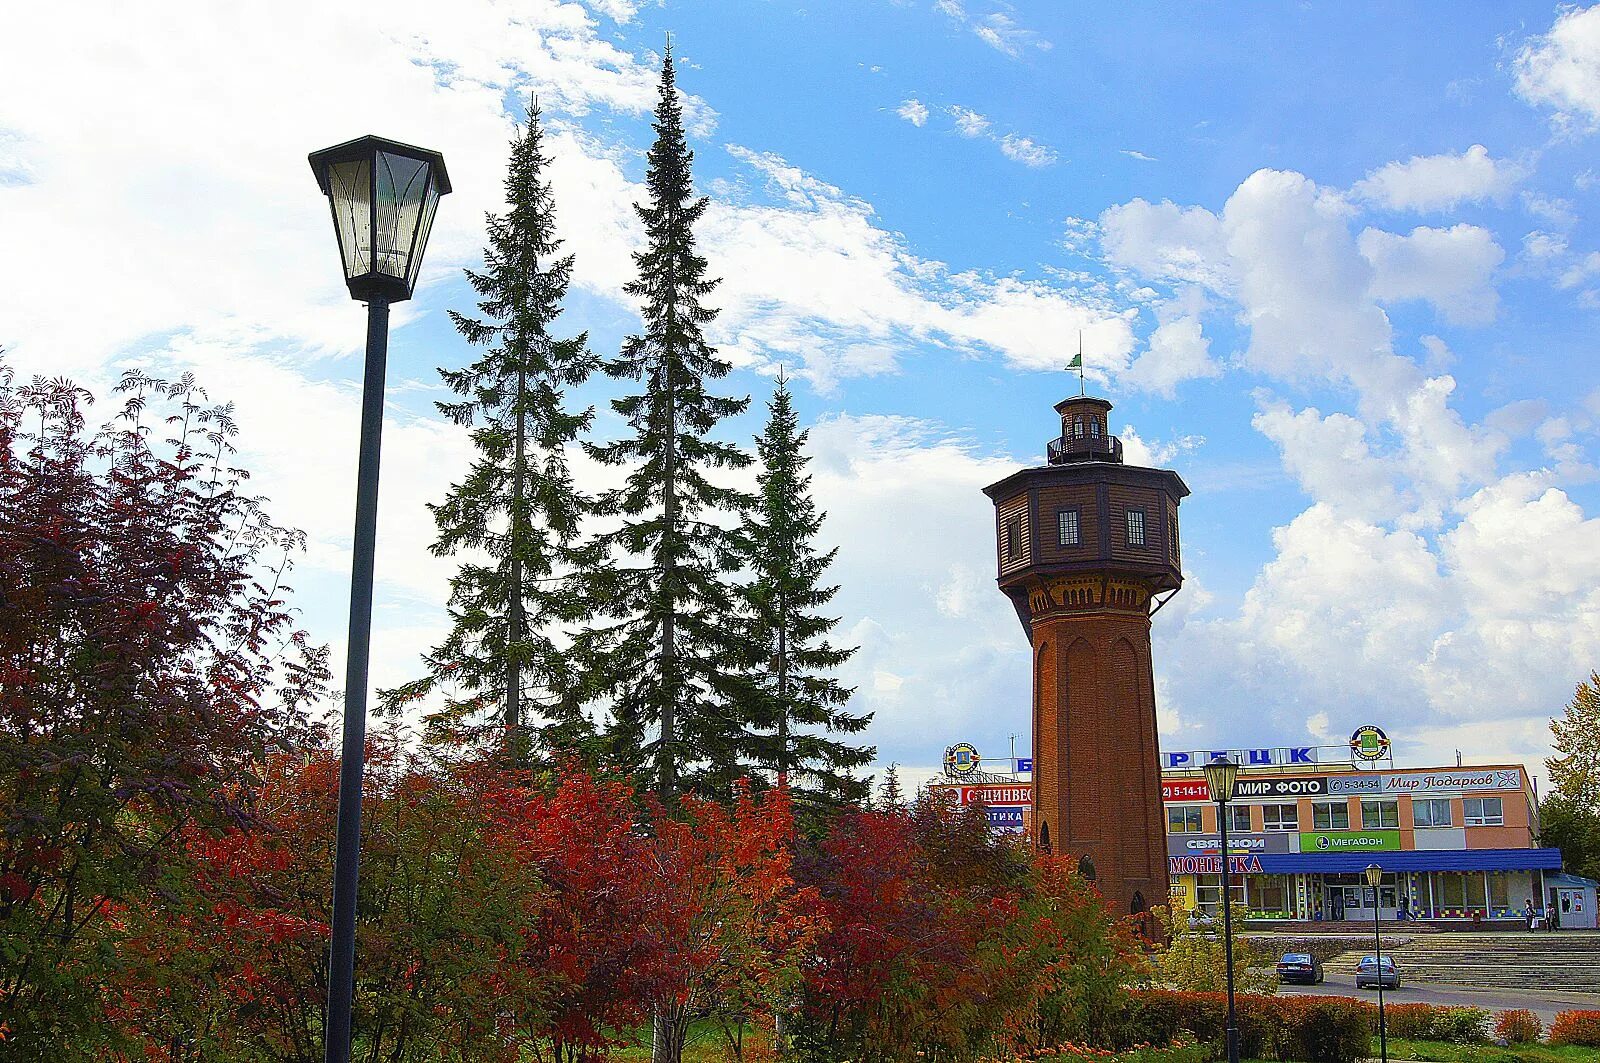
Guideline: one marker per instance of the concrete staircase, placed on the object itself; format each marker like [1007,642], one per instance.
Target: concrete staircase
[1566,960]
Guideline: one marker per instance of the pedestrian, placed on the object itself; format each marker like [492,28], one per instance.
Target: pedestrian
[1403,912]
[1527,909]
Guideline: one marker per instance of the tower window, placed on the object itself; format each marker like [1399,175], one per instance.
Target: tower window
[1077,428]
[1172,532]
[1013,538]
[1067,526]
[1094,429]
[1135,527]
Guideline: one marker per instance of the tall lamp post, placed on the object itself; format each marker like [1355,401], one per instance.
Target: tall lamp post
[1374,877]
[383,195]
[1221,776]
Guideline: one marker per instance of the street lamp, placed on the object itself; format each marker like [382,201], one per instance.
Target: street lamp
[1374,877]
[383,195]
[1221,776]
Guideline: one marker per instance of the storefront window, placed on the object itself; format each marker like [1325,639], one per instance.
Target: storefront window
[1484,812]
[1208,891]
[1268,893]
[1452,890]
[1430,812]
[1330,815]
[1499,889]
[1380,815]
[1183,820]
[1280,817]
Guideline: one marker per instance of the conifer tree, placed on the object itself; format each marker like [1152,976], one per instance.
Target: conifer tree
[658,644]
[793,704]
[516,516]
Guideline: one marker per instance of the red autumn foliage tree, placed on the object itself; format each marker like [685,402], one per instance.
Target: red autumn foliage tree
[446,908]
[147,660]
[944,940]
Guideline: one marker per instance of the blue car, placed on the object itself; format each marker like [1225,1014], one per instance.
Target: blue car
[1370,973]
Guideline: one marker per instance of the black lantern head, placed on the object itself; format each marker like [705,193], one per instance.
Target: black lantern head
[383,195]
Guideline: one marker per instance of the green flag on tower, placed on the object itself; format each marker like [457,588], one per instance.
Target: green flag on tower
[1076,363]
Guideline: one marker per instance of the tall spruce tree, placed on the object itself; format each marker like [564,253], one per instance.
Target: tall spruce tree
[517,513]
[792,701]
[658,644]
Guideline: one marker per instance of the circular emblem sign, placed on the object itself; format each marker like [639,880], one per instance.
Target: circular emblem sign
[961,759]
[1369,743]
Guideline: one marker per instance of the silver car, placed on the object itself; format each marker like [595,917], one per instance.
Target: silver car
[1370,973]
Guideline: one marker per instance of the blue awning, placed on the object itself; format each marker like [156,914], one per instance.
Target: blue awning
[1414,860]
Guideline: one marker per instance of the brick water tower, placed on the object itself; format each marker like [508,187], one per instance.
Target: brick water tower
[1088,552]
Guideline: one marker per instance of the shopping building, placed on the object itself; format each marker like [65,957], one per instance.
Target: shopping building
[1456,844]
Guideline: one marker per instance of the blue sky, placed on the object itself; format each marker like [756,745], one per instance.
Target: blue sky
[1334,263]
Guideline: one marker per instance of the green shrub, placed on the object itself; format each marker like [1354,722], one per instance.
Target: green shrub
[1325,1030]
[1518,1026]
[1576,1028]
[1461,1026]
[1430,1022]
[1301,1028]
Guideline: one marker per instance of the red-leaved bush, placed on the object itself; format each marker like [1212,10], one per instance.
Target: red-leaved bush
[1576,1028]
[1517,1026]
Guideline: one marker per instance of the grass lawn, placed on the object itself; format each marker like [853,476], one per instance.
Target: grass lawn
[1448,1053]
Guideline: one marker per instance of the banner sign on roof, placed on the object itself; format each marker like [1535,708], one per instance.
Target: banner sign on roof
[1199,758]
[1024,763]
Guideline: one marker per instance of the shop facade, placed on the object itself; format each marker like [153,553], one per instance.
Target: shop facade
[1456,845]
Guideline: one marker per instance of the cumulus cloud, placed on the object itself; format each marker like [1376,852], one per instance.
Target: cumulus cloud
[914,111]
[1561,70]
[1421,577]
[1439,182]
[1177,351]
[1026,150]
[1450,268]
[969,123]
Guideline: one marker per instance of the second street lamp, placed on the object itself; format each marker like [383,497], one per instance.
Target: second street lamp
[383,195]
[1221,776]
[1374,875]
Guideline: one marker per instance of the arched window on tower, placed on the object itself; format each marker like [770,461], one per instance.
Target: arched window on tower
[1094,428]
[1077,428]
[1044,836]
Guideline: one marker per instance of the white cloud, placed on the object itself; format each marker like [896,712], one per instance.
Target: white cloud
[969,123]
[1026,151]
[1141,156]
[997,29]
[815,281]
[914,111]
[1001,32]
[1543,245]
[1177,351]
[1561,70]
[1439,182]
[1450,268]
[1422,583]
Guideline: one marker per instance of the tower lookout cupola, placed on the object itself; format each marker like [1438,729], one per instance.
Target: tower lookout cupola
[1085,432]
[1087,550]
